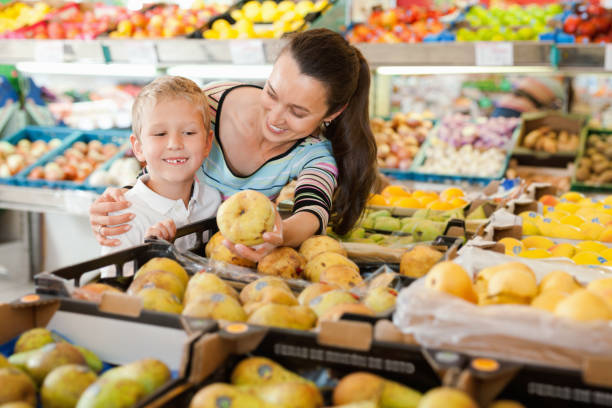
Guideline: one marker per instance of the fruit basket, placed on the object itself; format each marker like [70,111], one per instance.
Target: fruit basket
[25,147]
[593,175]
[69,166]
[549,139]
[464,150]
[316,361]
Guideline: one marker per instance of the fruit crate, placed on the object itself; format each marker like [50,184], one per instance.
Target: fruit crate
[557,122]
[116,137]
[577,185]
[33,133]
[308,18]
[339,349]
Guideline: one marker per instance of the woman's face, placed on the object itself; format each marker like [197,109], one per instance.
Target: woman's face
[294,104]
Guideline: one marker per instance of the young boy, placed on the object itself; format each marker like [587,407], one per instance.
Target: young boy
[172,135]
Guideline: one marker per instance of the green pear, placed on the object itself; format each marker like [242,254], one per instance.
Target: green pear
[446,397]
[148,372]
[64,385]
[477,214]
[116,393]
[33,339]
[19,360]
[52,356]
[396,395]
[379,213]
[291,317]
[288,394]
[387,224]
[377,238]
[381,299]
[258,371]
[427,230]
[367,223]
[226,396]
[16,386]
[92,360]
[456,213]
[421,214]
[357,233]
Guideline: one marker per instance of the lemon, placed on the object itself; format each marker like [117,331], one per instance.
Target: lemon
[592,230]
[513,245]
[557,215]
[566,232]
[563,250]
[591,246]
[537,242]
[574,220]
[211,34]
[572,196]
[530,228]
[535,253]
[570,207]
[588,203]
[589,258]
[545,225]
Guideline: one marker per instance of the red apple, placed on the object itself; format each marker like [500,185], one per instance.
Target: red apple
[586,28]
[571,24]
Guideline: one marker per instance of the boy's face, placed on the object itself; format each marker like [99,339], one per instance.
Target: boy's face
[174,140]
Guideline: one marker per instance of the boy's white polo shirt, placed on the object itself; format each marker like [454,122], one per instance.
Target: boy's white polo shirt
[150,208]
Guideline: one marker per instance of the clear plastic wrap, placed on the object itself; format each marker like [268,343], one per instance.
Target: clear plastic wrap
[515,332]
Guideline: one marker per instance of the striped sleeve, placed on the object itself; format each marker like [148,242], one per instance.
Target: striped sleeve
[315,188]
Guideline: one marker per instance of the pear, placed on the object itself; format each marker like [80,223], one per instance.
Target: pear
[602,287]
[116,393]
[342,276]
[451,278]
[362,386]
[381,299]
[16,386]
[288,394]
[251,292]
[359,404]
[548,300]
[158,279]
[290,317]
[245,217]
[427,230]
[226,396]
[559,281]
[511,285]
[285,262]
[324,260]
[52,356]
[159,300]
[207,282]
[583,305]
[484,276]
[216,250]
[477,214]
[164,264]
[336,312]
[419,260]
[92,360]
[318,244]
[259,371]
[33,339]
[19,360]
[64,385]
[271,294]
[216,306]
[387,224]
[446,397]
[148,372]
[322,303]
[313,290]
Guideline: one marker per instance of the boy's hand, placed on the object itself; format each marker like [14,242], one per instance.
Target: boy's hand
[273,240]
[163,230]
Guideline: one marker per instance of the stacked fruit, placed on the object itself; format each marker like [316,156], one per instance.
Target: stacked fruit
[515,283]
[398,140]
[166,21]
[77,162]
[589,22]
[572,216]
[18,14]
[409,25]
[512,24]
[267,19]
[595,165]
[548,140]
[14,158]
[462,146]
[67,375]
[398,196]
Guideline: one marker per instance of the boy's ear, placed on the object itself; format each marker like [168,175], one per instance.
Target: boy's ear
[137,148]
[209,140]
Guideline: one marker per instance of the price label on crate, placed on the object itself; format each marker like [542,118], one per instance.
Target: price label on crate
[49,51]
[608,58]
[247,52]
[494,54]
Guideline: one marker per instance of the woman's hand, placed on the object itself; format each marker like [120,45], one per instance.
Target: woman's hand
[272,240]
[110,201]
[163,230]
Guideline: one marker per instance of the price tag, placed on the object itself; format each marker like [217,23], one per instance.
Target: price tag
[494,54]
[141,52]
[49,51]
[608,58]
[247,52]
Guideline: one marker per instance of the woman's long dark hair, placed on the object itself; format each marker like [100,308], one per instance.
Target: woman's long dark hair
[327,57]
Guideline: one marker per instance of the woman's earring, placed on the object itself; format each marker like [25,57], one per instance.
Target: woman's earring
[326,123]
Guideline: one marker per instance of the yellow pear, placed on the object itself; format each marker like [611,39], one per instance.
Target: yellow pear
[362,386]
[227,396]
[548,300]
[583,305]
[417,262]
[284,262]
[446,397]
[512,284]
[290,317]
[319,244]
[324,260]
[218,306]
[164,264]
[250,293]
[381,299]
[313,290]
[559,281]
[506,404]
[342,276]
[217,251]
[322,303]
[245,217]
[602,287]
[451,278]
[203,282]
[262,371]
[563,250]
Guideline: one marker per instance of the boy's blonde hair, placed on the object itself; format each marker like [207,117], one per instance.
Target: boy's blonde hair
[168,87]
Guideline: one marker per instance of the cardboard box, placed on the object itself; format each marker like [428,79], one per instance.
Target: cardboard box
[340,348]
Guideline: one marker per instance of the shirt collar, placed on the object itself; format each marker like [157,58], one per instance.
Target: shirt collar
[158,202]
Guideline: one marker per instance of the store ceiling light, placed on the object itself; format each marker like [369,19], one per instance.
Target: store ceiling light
[449,70]
[221,71]
[61,68]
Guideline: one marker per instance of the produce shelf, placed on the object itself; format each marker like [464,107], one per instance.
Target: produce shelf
[46,200]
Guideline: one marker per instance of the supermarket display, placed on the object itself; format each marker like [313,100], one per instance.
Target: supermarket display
[588,22]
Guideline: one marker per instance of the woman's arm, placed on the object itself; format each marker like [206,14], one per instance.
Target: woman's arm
[104,225]
[298,228]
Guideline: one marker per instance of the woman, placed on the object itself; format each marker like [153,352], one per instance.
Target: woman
[310,121]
